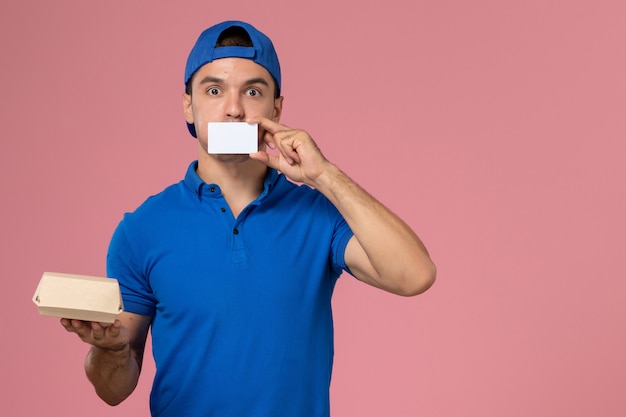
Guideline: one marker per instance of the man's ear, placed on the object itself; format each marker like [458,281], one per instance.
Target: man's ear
[278,109]
[187,109]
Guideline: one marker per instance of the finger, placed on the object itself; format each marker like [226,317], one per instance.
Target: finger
[67,324]
[268,139]
[97,331]
[114,328]
[261,156]
[274,161]
[267,124]
[279,141]
[265,158]
[76,326]
[287,145]
[80,326]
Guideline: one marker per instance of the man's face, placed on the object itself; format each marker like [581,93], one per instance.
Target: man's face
[230,90]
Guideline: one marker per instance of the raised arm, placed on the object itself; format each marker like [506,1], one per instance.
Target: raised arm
[113,363]
[384,251]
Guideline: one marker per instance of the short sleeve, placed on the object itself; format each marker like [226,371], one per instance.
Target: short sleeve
[134,285]
[341,236]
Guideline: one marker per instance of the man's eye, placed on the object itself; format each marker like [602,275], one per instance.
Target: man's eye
[253,92]
[214,91]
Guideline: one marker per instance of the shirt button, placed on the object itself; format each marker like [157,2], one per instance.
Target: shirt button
[212,189]
[223,210]
[236,231]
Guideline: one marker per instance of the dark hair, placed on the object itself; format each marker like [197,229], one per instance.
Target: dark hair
[233,36]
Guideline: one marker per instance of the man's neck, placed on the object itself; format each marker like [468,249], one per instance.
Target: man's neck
[240,182]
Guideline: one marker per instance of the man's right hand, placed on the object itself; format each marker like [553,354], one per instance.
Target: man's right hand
[113,337]
[113,363]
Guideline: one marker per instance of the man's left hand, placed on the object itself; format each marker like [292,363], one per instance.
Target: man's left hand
[299,157]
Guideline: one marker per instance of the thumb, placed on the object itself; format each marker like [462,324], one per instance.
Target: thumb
[266,159]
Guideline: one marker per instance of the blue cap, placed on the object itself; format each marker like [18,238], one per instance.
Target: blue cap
[204,51]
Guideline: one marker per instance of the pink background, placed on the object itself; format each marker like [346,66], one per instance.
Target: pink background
[495,128]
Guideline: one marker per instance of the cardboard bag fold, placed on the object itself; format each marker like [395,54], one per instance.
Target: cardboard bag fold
[79,297]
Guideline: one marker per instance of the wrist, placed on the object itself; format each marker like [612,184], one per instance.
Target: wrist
[328,176]
[112,354]
[102,361]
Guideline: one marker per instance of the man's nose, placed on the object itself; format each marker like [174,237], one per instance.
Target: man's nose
[234,108]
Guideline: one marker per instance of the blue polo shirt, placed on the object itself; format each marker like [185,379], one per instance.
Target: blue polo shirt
[240,307]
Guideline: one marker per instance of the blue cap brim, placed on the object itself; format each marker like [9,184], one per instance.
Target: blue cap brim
[192,130]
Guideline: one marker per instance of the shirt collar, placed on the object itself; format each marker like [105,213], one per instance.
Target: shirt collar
[192,179]
[195,183]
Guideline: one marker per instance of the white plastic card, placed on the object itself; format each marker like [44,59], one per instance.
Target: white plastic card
[232,138]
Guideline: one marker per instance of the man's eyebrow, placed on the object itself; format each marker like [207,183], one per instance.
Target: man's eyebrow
[258,80]
[211,79]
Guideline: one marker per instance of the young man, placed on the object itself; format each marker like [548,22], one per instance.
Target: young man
[233,268]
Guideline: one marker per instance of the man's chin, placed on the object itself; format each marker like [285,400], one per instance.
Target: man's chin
[232,158]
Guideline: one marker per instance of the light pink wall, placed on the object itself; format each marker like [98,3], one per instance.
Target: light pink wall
[495,128]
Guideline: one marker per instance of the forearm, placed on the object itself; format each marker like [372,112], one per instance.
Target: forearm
[387,253]
[113,373]
[401,262]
